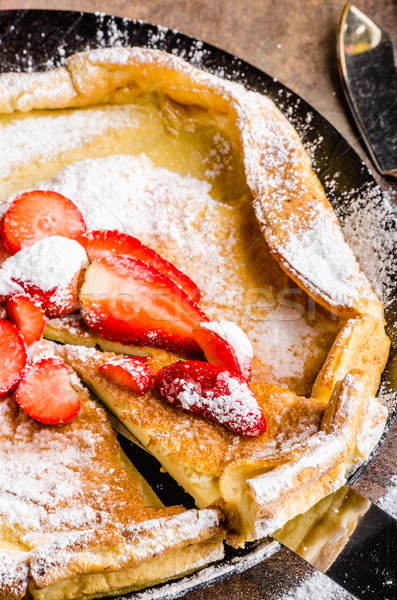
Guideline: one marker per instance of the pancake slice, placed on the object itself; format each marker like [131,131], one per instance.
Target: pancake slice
[76,515]
[214,465]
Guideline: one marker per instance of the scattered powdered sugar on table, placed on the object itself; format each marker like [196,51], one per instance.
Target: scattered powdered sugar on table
[317,587]
[368,228]
[389,500]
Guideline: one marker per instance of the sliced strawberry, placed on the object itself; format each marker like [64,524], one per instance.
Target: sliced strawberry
[48,271]
[55,302]
[212,392]
[35,215]
[14,356]
[28,316]
[102,243]
[226,345]
[128,301]
[46,394]
[129,372]
[4,254]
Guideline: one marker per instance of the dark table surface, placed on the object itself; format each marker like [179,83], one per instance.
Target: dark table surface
[293,40]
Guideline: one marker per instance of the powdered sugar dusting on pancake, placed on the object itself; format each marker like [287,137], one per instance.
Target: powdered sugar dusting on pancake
[176,216]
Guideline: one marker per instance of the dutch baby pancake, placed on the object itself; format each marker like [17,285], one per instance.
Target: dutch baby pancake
[217,310]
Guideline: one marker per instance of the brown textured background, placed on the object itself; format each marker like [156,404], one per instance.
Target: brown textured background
[293,40]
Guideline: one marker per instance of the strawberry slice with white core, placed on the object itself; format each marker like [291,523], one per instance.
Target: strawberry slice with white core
[46,394]
[128,301]
[14,356]
[103,243]
[28,316]
[35,215]
[131,373]
[47,271]
[226,345]
[210,391]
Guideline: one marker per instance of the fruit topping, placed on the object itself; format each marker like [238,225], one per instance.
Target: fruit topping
[4,254]
[47,271]
[39,214]
[226,345]
[131,373]
[103,243]
[27,315]
[46,394]
[125,300]
[14,356]
[211,391]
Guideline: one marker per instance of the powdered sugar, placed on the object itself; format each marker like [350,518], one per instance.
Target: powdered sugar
[129,194]
[389,500]
[18,90]
[232,403]
[41,137]
[132,365]
[318,587]
[317,250]
[36,497]
[232,333]
[50,263]
[135,543]
[369,229]
[14,573]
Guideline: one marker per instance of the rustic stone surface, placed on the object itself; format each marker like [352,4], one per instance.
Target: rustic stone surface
[293,40]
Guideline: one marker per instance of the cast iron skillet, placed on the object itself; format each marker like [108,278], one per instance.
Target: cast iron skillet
[39,39]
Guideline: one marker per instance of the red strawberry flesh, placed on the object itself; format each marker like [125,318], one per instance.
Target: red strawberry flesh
[48,271]
[226,345]
[14,356]
[4,254]
[46,394]
[128,301]
[28,316]
[214,393]
[35,215]
[130,373]
[104,243]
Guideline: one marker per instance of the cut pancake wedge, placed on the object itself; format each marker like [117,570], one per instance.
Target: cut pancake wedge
[77,518]
[212,464]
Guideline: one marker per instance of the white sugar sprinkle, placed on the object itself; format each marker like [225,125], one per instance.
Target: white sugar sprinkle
[237,405]
[389,500]
[130,194]
[318,587]
[232,333]
[48,264]
[42,137]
